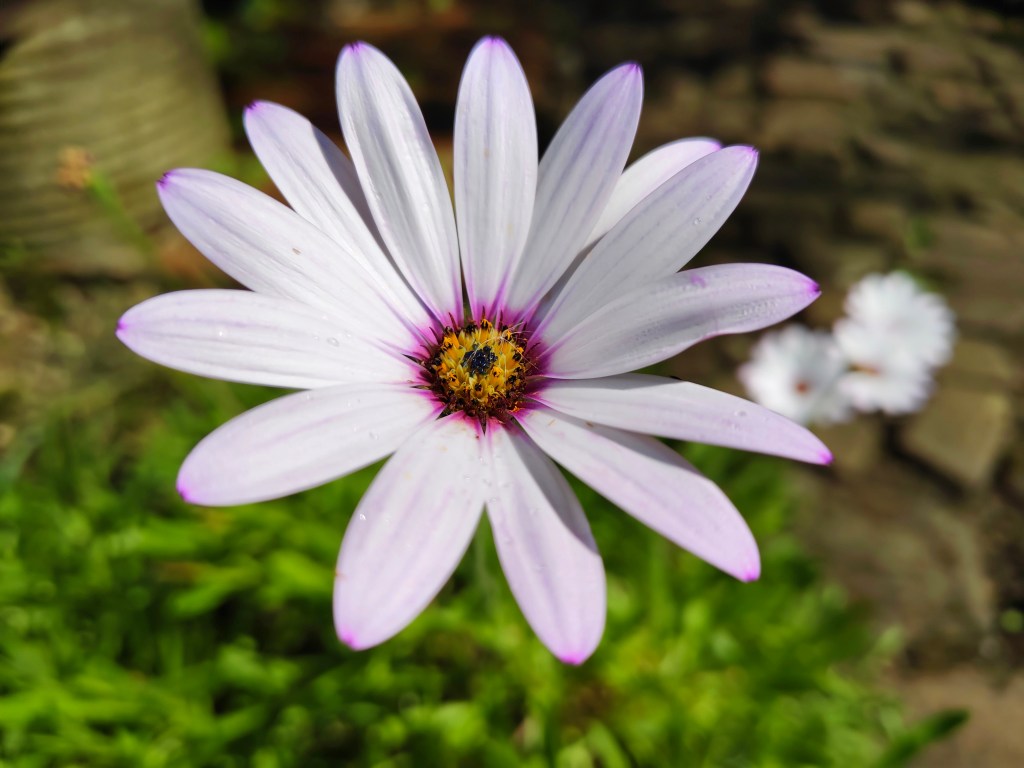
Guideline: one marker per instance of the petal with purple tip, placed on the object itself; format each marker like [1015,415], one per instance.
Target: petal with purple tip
[657,238]
[409,532]
[645,175]
[321,185]
[248,337]
[301,441]
[313,174]
[684,411]
[575,181]
[269,248]
[401,175]
[655,321]
[545,547]
[652,483]
[495,169]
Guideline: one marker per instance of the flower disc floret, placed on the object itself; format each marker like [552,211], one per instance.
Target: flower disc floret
[480,370]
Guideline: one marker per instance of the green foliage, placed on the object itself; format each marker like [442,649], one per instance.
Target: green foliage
[100,189]
[136,630]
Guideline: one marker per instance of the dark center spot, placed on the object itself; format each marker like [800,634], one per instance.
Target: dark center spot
[479,359]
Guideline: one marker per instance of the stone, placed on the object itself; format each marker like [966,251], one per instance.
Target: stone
[893,539]
[882,219]
[887,152]
[1000,309]
[732,82]
[827,308]
[981,365]
[855,45]
[790,77]
[1013,479]
[985,739]
[806,128]
[676,106]
[961,433]
[930,58]
[612,43]
[974,111]
[960,96]
[913,13]
[971,176]
[729,120]
[984,260]
[856,446]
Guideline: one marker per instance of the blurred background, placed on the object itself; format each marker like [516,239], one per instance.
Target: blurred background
[888,626]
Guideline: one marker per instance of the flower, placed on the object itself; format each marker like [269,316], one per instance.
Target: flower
[894,390]
[796,372]
[890,316]
[356,298]
[894,336]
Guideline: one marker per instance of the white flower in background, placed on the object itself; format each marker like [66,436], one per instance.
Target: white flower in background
[795,372]
[882,356]
[894,336]
[889,318]
[892,390]
[357,298]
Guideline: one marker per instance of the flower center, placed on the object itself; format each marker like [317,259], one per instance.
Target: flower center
[479,369]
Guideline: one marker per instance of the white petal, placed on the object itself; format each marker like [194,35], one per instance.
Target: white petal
[313,174]
[654,322]
[796,372]
[575,180]
[684,411]
[658,237]
[495,169]
[321,185]
[244,336]
[401,175]
[654,484]
[895,391]
[891,321]
[300,441]
[645,175]
[269,248]
[409,532]
[545,547]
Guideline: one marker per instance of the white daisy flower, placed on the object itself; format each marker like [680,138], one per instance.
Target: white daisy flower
[356,297]
[796,372]
[894,335]
[892,390]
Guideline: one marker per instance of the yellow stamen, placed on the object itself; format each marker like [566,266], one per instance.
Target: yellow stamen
[479,369]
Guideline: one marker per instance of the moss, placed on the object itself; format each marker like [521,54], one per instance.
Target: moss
[136,630]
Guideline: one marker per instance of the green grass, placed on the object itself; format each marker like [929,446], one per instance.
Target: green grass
[136,630]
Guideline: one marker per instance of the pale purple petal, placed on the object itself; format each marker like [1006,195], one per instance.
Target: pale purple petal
[654,484]
[313,174]
[657,238]
[409,532]
[661,319]
[300,441]
[495,169]
[321,185]
[269,248]
[401,175]
[575,180]
[545,547]
[645,175]
[245,336]
[679,409]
